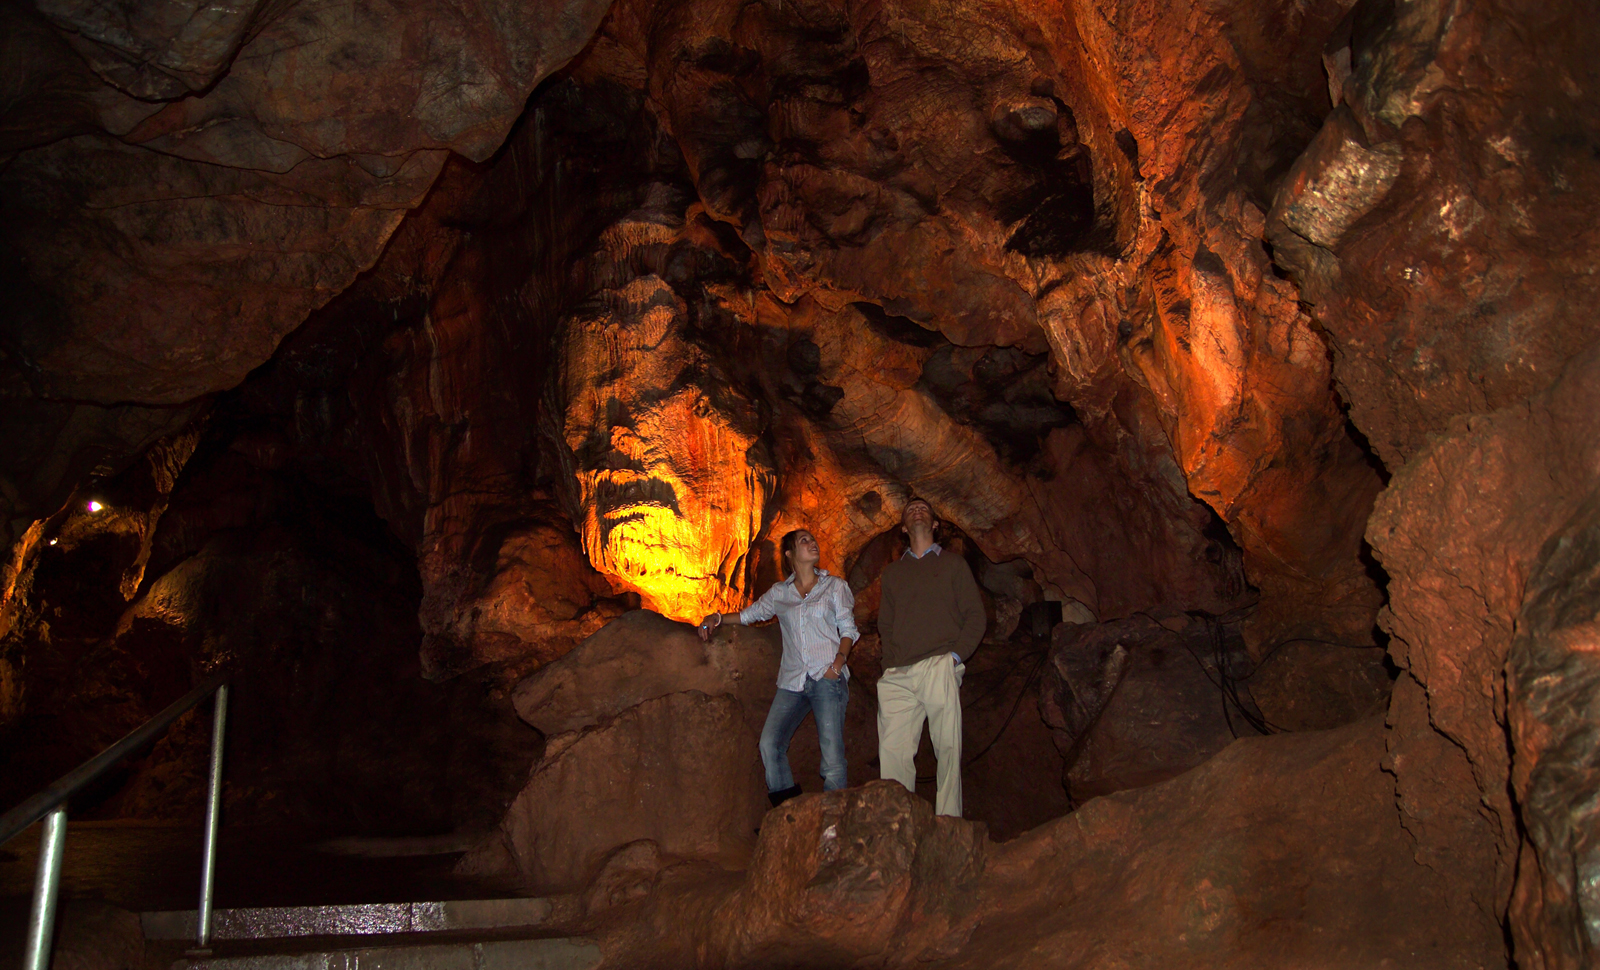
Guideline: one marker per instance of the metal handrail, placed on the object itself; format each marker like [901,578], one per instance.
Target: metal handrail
[49,804]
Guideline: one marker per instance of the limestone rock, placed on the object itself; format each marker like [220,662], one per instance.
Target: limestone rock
[1308,686]
[1132,703]
[1281,851]
[106,231]
[627,874]
[642,655]
[680,770]
[1445,240]
[1459,531]
[302,137]
[1552,679]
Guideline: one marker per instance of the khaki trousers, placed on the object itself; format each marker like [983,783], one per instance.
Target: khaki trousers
[928,690]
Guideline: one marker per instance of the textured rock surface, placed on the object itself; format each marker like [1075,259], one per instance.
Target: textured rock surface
[257,199]
[1442,222]
[1214,868]
[976,171]
[1304,686]
[1554,713]
[641,656]
[672,477]
[1461,529]
[680,770]
[1131,703]
[1443,227]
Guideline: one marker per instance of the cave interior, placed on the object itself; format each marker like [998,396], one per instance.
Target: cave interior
[434,369]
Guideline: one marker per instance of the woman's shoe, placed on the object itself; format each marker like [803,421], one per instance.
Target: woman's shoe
[779,797]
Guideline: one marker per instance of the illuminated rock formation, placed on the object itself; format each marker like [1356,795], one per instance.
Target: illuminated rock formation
[672,475]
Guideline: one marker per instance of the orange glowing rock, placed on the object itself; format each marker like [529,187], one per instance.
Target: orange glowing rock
[672,482]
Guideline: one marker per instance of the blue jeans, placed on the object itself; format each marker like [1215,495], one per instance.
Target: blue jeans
[825,698]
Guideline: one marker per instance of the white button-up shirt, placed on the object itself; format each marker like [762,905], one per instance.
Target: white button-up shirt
[812,625]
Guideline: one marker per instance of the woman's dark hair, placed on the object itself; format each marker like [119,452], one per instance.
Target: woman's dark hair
[786,548]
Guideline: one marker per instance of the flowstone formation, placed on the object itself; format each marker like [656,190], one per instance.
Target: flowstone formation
[1246,351]
[672,476]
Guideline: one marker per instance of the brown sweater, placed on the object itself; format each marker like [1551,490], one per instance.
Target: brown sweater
[930,605]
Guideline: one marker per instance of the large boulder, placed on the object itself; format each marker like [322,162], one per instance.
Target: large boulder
[1133,703]
[642,655]
[1282,851]
[681,771]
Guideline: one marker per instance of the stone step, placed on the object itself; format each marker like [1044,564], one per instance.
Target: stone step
[370,919]
[545,954]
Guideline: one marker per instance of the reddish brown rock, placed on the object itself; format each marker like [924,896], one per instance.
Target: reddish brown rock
[1552,682]
[1132,704]
[1443,221]
[1460,531]
[1304,685]
[642,655]
[115,232]
[260,197]
[1442,224]
[680,771]
[1280,851]
[669,475]
[977,171]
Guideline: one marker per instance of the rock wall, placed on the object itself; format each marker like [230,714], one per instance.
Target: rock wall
[1421,223]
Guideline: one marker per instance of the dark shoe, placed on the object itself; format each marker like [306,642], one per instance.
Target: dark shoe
[779,797]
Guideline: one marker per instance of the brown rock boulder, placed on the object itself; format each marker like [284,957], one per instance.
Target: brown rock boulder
[642,655]
[1282,851]
[845,872]
[681,771]
[1304,685]
[1132,703]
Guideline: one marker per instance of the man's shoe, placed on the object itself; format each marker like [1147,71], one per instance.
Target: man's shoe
[779,797]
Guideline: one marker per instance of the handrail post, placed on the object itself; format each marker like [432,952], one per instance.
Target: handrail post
[208,859]
[42,921]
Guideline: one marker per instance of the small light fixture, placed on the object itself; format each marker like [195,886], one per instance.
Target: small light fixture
[54,541]
[95,506]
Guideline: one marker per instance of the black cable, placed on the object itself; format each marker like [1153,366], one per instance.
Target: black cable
[1224,683]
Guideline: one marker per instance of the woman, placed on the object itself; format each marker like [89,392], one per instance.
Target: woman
[814,611]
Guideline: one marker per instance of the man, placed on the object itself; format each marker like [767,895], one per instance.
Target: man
[930,621]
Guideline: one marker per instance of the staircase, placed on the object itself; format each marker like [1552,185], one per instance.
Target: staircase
[481,934]
[486,934]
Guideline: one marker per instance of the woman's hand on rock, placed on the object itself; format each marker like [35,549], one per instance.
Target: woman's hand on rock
[707,625]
